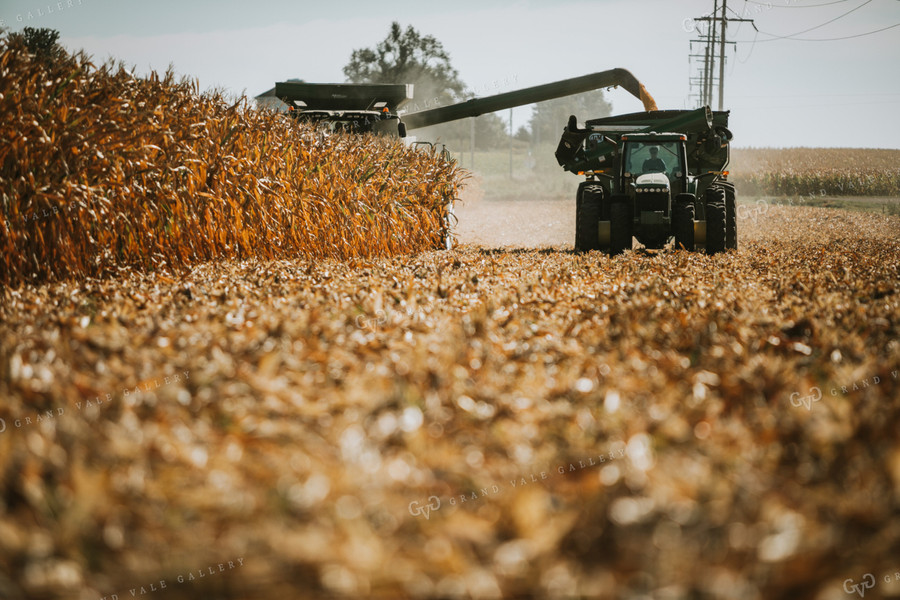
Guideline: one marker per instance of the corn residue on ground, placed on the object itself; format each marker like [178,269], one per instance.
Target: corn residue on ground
[472,423]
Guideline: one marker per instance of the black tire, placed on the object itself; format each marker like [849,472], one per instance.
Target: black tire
[731,238]
[588,207]
[683,222]
[731,241]
[715,221]
[579,225]
[620,225]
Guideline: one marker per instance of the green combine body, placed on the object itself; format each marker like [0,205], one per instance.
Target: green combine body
[653,176]
[350,107]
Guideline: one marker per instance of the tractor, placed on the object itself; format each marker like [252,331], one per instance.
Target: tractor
[654,176]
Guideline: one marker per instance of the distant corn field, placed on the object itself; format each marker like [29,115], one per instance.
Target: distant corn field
[816,172]
[101,170]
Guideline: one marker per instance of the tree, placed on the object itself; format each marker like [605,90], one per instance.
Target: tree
[548,118]
[42,42]
[407,56]
[523,134]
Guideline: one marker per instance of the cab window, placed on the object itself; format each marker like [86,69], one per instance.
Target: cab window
[651,157]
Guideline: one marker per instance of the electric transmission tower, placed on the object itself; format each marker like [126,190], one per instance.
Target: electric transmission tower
[703,58]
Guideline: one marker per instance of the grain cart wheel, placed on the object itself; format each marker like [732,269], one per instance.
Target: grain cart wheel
[715,221]
[588,212]
[620,224]
[579,227]
[683,221]
[585,221]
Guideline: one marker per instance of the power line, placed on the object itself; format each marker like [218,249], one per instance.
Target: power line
[846,37]
[816,95]
[817,26]
[770,5]
[805,106]
[708,80]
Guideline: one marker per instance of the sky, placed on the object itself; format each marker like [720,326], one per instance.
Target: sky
[818,92]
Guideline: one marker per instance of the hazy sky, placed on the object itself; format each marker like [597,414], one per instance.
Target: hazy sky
[781,92]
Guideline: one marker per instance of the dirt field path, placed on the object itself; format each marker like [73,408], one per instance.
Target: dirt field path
[516,224]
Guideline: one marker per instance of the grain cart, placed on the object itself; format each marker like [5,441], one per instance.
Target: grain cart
[652,175]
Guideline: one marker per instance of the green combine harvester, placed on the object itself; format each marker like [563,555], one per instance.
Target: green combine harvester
[654,176]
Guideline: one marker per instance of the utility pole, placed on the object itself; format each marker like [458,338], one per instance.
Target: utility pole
[709,80]
[710,56]
[472,145]
[722,57]
[510,142]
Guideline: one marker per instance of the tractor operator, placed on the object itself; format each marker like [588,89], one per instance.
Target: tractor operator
[654,164]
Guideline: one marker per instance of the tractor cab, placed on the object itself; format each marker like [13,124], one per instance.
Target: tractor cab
[653,163]
[653,172]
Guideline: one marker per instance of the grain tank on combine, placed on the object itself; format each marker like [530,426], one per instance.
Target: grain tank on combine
[348,107]
[652,175]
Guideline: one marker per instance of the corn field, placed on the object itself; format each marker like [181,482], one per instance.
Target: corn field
[102,171]
[333,417]
[816,171]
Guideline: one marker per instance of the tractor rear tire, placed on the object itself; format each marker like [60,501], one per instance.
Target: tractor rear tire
[683,222]
[715,221]
[620,225]
[731,237]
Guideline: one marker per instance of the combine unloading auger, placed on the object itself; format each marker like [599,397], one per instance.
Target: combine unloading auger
[531,95]
[374,108]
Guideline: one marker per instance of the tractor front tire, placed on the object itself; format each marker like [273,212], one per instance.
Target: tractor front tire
[620,225]
[683,222]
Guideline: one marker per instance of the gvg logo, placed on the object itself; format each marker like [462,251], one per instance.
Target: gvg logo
[689,25]
[370,321]
[867,583]
[745,211]
[815,394]
[434,503]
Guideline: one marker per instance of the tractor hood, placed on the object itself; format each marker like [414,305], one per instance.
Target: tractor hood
[652,180]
